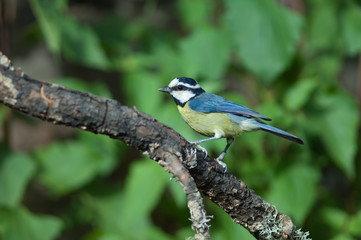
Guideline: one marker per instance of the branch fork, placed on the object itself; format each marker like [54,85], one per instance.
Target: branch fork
[195,173]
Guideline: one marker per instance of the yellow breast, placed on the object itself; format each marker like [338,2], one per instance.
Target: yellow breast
[210,123]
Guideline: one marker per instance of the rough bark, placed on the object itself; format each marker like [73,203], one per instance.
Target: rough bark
[59,105]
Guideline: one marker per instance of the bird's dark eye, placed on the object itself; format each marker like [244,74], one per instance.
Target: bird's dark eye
[180,87]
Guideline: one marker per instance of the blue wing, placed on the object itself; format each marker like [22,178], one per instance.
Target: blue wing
[211,103]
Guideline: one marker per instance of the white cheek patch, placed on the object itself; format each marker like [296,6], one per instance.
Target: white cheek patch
[182,96]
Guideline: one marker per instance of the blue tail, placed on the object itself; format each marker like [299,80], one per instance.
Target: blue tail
[280,133]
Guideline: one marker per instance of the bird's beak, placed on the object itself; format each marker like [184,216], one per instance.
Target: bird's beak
[164,89]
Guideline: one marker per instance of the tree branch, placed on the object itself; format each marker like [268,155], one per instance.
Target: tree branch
[59,105]
[195,203]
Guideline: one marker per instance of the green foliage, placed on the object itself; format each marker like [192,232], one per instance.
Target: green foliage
[297,68]
[12,186]
[66,35]
[19,223]
[205,54]
[351,24]
[323,25]
[127,212]
[139,188]
[83,160]
[301,177]
[265,35]
[299,94]
[340,141]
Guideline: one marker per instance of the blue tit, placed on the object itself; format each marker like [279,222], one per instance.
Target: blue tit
[216,117]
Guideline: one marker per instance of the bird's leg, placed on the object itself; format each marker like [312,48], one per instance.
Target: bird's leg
[224,152]
[202,141]
[205,140]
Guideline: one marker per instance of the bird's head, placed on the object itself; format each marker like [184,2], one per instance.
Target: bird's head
[182,89]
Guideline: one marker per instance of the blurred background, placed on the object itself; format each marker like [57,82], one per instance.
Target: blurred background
[295,61]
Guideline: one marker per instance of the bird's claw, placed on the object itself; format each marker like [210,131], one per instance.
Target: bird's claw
[200,148]
[219,159]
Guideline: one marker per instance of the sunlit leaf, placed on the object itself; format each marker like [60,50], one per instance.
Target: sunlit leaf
[265,34]
[300,93]
[81,44]
[141,89]
[205,54]
[170,62]
[97,88]
[128,212]
[45,12]
[355,223]
[15,173]
[323,25]
[69,165]
[143,189]
[342,236]
[325,69]
[155,233]
[196,13]
[178,194]
[335,218]
[108,209]
[20,224]
[67,35]
[351,29]
[338,129]
[294,191]
[228,229]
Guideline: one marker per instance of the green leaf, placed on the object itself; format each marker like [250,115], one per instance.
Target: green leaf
[195,13]
[178,194]
[205,54]
[326,68]
[265,34]
[323,33]
[338,127]
[45,12]
[141,89]
[169,59]
[98,88]
[299,94]
[294,191]
[342,236]
[144,186]
[67,166]
[64,34]
[20,224]
[355,223]
[227,229]
[334,217]
[81,44]
[15,172]
[351,29]
[2,113]
[108,208]
[127,212]
[154,233]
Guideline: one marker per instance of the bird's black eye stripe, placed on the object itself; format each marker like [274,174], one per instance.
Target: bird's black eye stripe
[180,87]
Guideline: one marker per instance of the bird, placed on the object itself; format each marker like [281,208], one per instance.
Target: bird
[216,117]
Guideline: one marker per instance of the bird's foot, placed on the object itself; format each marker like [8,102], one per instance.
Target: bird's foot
[200,148]
[220,158]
